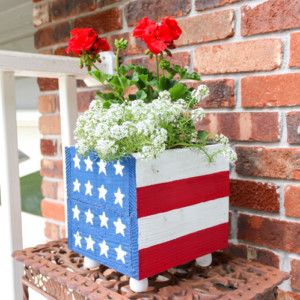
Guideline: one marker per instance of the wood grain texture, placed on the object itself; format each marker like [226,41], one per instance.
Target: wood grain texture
[178,164]
[163,227]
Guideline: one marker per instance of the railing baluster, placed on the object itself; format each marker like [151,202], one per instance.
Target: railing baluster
[68,116]
[11,224]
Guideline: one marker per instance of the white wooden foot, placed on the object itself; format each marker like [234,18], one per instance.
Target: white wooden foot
[90,263]
[204,261]
[138,286]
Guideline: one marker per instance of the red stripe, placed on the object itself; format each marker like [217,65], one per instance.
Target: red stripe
[159,258]
[162,197]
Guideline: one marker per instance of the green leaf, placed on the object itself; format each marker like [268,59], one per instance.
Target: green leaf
[178,91]
[141,94]
[164,83]
[99,75]
[202,135]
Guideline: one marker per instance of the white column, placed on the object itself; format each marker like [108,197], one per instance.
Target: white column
[68,117]
[11,225]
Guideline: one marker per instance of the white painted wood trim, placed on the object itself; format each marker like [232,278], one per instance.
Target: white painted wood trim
[51,66]
[163,227]
[178,164]
[68,117]
[11,225]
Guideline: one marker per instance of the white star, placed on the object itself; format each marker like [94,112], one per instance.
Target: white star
[76,160]
[120,254]
[89,217]
[103,219]
[88,188]
[88,164]
[102,192]
[104,248]
[89,243]
[76,184]
[119,168]
[76,212]
[119,197]
[120,227]
[102,166]
[77,239]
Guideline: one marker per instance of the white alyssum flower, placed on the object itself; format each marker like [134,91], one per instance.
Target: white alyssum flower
[201,92]
[137,127]
[197,114]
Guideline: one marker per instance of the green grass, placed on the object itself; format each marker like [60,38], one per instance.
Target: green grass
[31,193]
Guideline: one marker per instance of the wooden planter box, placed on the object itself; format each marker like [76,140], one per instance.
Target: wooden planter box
[142,217]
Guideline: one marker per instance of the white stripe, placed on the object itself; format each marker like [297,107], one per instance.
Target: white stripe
[178,164]
[163,227]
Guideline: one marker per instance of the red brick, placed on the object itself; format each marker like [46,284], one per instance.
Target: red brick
[254,195]
[265,257]
[258,55]
[60,190]
[63,232]
[60,9]
[49,189]
[61,51]
[40,14]
[243,126]
[269,91]
[49,124]
[295,274]
[179,58]
[51,35]
[292,201]
[84,99]
[221,94]
[102,3]
[47,103]
[52,168]
[293,127]
[103,21]
[85,5]
[295,49]
[208,27]
[273,163]
[43,37]
[47,84]
[51,231]
[271,233]
[207,4]
[155,9]
[53,209]
[284,295]
[269,16]
[48,147]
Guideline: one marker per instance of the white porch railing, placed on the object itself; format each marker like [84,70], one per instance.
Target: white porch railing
[14,64]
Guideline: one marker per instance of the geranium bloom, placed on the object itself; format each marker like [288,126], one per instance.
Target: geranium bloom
[158,37]
[86,40]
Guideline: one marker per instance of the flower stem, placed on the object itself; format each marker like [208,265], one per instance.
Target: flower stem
[157,66]
[95,67]
[117,60]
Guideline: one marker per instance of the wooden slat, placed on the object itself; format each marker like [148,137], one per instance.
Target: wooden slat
[11,225]
[68,116]
[40,65]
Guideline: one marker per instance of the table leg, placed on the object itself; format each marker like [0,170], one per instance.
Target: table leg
[25,292]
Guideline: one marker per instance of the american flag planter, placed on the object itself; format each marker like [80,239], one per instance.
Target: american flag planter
[142,217]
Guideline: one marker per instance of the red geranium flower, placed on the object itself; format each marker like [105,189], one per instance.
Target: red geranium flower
[157,37]
[86,40]
[169,29]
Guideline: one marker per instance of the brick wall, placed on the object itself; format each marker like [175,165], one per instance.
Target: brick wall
[249,55]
